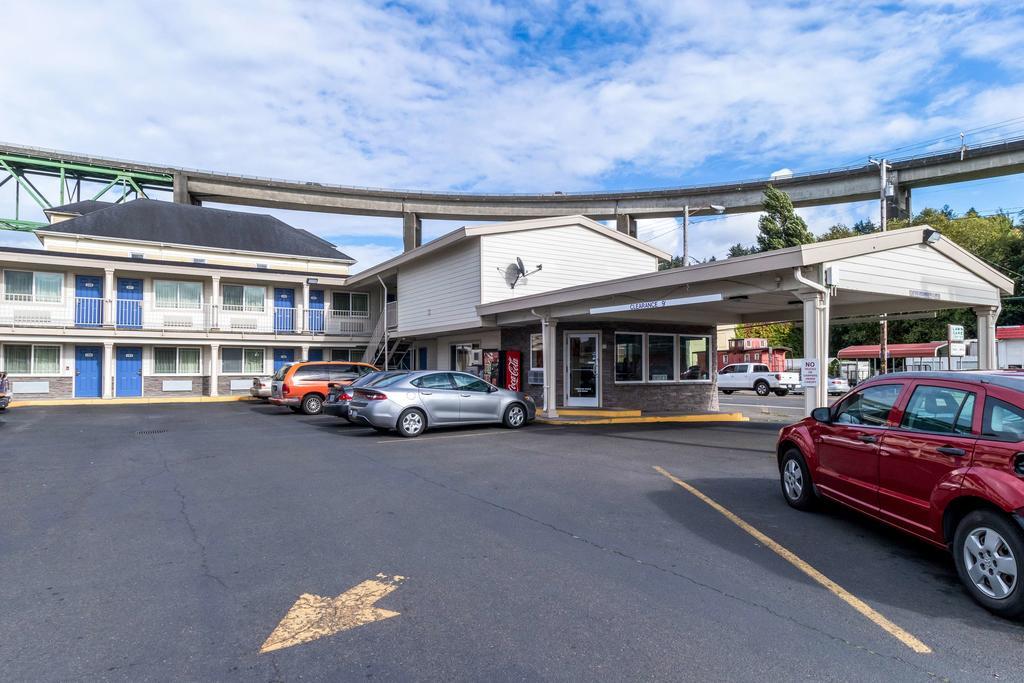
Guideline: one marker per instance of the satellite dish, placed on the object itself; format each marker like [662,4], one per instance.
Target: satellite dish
[516,271]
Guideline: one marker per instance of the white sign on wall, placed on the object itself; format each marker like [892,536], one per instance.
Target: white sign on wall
[809,372]
[659,303]
[955,333]
[957,349]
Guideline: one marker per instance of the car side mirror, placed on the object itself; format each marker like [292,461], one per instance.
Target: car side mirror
[822,415]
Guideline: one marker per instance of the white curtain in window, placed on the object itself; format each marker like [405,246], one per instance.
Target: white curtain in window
[166,294]
[254,298]
[254,361]
[188,361]
[190,294]
[17,359]
[233,295]
[49,286]
[46,360]
[165,360]
[17,285]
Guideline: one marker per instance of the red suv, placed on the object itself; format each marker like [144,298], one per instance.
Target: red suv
[937,454]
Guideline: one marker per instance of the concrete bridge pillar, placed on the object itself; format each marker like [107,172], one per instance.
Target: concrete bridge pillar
[181,195]
[412,231]
[898,205]
[625,223]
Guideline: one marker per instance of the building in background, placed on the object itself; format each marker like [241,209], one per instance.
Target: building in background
[857,363]
[1010,347]
[754,350]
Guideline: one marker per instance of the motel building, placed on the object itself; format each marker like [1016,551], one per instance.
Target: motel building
[151,298]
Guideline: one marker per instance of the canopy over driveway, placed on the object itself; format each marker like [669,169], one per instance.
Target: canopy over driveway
[911,270]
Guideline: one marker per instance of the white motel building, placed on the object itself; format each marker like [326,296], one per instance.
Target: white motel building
[155,299]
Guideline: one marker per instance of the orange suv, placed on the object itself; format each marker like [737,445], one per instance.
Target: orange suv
[303,386]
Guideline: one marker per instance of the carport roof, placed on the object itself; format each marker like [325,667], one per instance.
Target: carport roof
[762,287]
[865,351]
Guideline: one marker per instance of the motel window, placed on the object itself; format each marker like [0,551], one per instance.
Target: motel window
[341,354]
[31,286]
[172,360]
[629,357]
[356,304]
[31,360]
[181,295]
[693,357]
[466,358]
[235,361]
[536,352]
[661,357]
[246,298]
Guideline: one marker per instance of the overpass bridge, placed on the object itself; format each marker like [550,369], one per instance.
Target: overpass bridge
[834,186]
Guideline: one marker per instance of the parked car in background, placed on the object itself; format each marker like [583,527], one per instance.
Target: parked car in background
[260,388]
[411,402]
[838,385]
[340,395]
[303,386]
[757,377]
[5,391]
[939,455]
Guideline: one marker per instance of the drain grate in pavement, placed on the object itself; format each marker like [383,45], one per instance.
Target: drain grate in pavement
[148,432]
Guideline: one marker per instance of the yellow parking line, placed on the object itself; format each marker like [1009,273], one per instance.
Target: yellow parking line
[786,554]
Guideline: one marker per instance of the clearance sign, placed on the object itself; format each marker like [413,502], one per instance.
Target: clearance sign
[658,303]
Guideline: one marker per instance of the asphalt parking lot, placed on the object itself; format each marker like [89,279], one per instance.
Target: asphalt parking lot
[169,542]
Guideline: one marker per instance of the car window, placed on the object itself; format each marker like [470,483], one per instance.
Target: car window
[343,373]
[281,372]
[317,372]
[390,380]
[939,409]
[760,368]
[869,407]
[470,383]
[438,380]
[364,369]
[1003,421]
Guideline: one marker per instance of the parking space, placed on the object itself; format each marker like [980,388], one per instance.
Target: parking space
[171,541]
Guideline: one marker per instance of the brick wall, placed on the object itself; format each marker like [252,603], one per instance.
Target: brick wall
[674,397]
[60,387]
[224,386]
[153,387]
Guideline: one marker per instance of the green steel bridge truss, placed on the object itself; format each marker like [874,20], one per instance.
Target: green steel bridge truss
[26,173]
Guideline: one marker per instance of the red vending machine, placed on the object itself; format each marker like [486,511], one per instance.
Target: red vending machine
[503,368]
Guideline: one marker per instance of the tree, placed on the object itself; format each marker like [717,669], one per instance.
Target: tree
[777,334]
[780,227]
[740,250]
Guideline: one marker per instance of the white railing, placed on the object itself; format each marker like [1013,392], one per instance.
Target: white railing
[133,314]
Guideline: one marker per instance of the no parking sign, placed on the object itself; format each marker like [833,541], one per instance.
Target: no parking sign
[809,372]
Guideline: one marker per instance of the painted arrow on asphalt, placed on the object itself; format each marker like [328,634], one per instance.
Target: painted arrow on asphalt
[314,616]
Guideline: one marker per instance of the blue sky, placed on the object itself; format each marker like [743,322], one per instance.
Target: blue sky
[523,96]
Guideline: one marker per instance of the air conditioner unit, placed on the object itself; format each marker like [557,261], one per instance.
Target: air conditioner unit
[243,323]
[535,377]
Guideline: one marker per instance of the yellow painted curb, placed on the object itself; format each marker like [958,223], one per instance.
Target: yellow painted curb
[711,417]
[127,401]
[586,412]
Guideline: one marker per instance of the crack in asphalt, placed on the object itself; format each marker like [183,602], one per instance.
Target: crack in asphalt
[657,567]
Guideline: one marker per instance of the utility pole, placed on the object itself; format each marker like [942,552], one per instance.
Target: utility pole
[883,347]
[686,235]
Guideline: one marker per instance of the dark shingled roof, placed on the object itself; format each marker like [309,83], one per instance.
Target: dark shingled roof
[168,222]
[81,208]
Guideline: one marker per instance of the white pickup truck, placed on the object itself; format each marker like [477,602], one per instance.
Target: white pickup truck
[758,377]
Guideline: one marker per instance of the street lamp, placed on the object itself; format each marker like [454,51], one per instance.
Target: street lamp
[687,210]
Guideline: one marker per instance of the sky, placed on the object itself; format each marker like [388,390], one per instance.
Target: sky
[519,96]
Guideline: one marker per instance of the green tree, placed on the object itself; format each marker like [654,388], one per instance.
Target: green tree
[740,250]
[780,227]
[777,334]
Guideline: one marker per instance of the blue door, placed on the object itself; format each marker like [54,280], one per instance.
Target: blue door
[283,357]
[129,371]
[422,361]
[316,354]
[129,303]
[88,371]
[316,311]
[88,301]
[284,310]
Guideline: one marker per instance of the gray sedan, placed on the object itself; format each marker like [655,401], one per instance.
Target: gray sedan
[411,402]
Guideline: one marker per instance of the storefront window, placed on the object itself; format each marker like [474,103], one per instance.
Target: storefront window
[629,357]
[693,358]
[467,358]
[660,357]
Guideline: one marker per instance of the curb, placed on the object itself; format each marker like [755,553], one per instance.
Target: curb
[710,417]
[128,401]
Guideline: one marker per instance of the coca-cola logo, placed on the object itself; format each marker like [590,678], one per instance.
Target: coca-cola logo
[512,367]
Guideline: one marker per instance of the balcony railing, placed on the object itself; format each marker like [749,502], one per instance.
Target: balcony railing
[130,314]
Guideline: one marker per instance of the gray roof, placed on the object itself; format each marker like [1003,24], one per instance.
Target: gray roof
[79,208]
[160,221]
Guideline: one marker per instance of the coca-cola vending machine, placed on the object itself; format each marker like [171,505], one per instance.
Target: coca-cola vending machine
[503,368]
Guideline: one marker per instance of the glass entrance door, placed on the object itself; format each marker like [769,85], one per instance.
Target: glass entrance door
[583,369]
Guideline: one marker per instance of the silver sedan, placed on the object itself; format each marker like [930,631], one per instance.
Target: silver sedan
[411,402]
